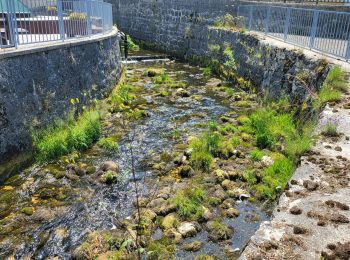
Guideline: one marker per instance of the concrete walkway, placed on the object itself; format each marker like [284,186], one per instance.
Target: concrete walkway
[312,217]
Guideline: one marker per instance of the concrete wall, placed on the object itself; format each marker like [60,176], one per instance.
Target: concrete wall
[36,86]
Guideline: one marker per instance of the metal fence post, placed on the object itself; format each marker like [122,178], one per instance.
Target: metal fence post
[88,16]
[347,55]
[250,18]
[286,24]
[314,28]
[267,22]
[60,19]
[12,23]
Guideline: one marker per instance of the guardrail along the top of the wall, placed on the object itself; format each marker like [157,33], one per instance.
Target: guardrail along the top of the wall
[324,31]
[35,21]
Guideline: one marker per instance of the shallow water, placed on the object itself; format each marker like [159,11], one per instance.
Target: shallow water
[66,210]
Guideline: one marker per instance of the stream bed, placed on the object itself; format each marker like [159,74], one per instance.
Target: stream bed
[48,210]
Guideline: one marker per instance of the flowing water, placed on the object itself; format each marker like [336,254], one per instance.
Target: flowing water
[45,214]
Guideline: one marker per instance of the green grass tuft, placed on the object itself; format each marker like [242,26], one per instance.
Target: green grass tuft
[72,136]
[256,155]
[189,203]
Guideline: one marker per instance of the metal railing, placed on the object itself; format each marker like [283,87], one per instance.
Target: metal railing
[35,21]
[324,31]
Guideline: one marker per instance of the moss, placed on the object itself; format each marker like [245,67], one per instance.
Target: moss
[110,177]
[218,231]
[161,249]
[243,119]
[109,144]
[27,211]
[189,202]
[243,103]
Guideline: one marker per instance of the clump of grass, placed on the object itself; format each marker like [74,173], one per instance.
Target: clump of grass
[275,178]
[269,127]
[256,155]
[109,144]
[226,21]
[330,130]
[332,87]
[189,203]
[75,135]
[161,79]
[207,72]
[132,46]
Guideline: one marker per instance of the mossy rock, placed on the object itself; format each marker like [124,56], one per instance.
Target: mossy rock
[186,171]
[218,231]
[170,221]
[243,119]
[27,211]
[8,197]
[109,177]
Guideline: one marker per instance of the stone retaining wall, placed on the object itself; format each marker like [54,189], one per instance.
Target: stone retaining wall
[36,87]
[182,28]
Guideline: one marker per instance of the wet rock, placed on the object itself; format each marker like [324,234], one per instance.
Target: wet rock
[232,253]
[266,161]
[109,166]
[333,204]
[90,170]
[186,171]
[169,221]
[182,93]
[228,203]
[220,194]
[299,230]
[91,248]
[310,185]
[162,207]
[174,235]
[188,229]
[232,213]
[207,215]
[164,193]
[235,193]
[149,215]
[295,210]
[228,184]
[221,175]
[219,231]
[194,246]
[72,168]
